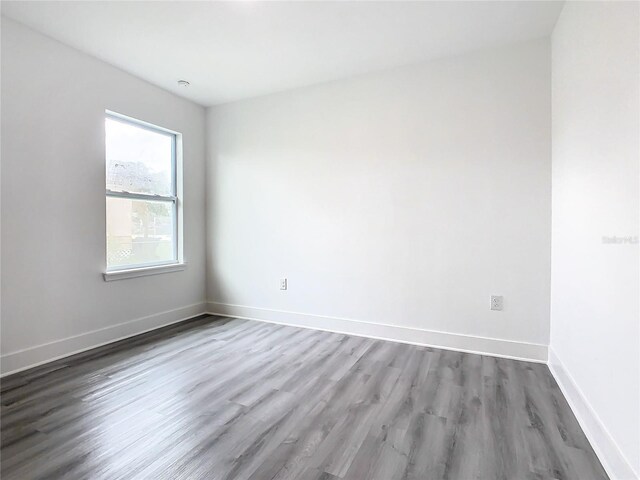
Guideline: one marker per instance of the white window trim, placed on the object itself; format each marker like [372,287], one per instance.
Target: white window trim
[112,275]
[178,264]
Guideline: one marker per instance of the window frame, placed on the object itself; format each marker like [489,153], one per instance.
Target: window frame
[174,199]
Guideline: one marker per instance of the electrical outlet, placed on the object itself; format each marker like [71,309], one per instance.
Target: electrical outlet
[497,302]
[283,284]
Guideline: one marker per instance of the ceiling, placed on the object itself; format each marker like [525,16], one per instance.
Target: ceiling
[234,50]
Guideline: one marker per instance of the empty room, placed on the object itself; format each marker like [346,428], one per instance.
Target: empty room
[320,240]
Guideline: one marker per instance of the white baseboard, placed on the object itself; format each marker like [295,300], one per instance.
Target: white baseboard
[610,455]
[603,444]
[33,356]
[452,341]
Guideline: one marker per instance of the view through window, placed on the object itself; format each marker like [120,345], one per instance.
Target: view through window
[141,194]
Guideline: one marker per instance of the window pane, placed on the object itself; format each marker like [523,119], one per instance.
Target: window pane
[139,232]
[139,160]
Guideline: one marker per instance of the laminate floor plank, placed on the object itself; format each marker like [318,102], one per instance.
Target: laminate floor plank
[228,399]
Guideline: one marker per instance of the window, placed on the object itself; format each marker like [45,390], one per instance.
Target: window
[142,194]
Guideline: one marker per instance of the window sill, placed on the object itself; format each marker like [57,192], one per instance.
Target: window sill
[143,272]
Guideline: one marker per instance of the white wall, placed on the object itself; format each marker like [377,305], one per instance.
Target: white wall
[403,198]
[54,299]
[595,317]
